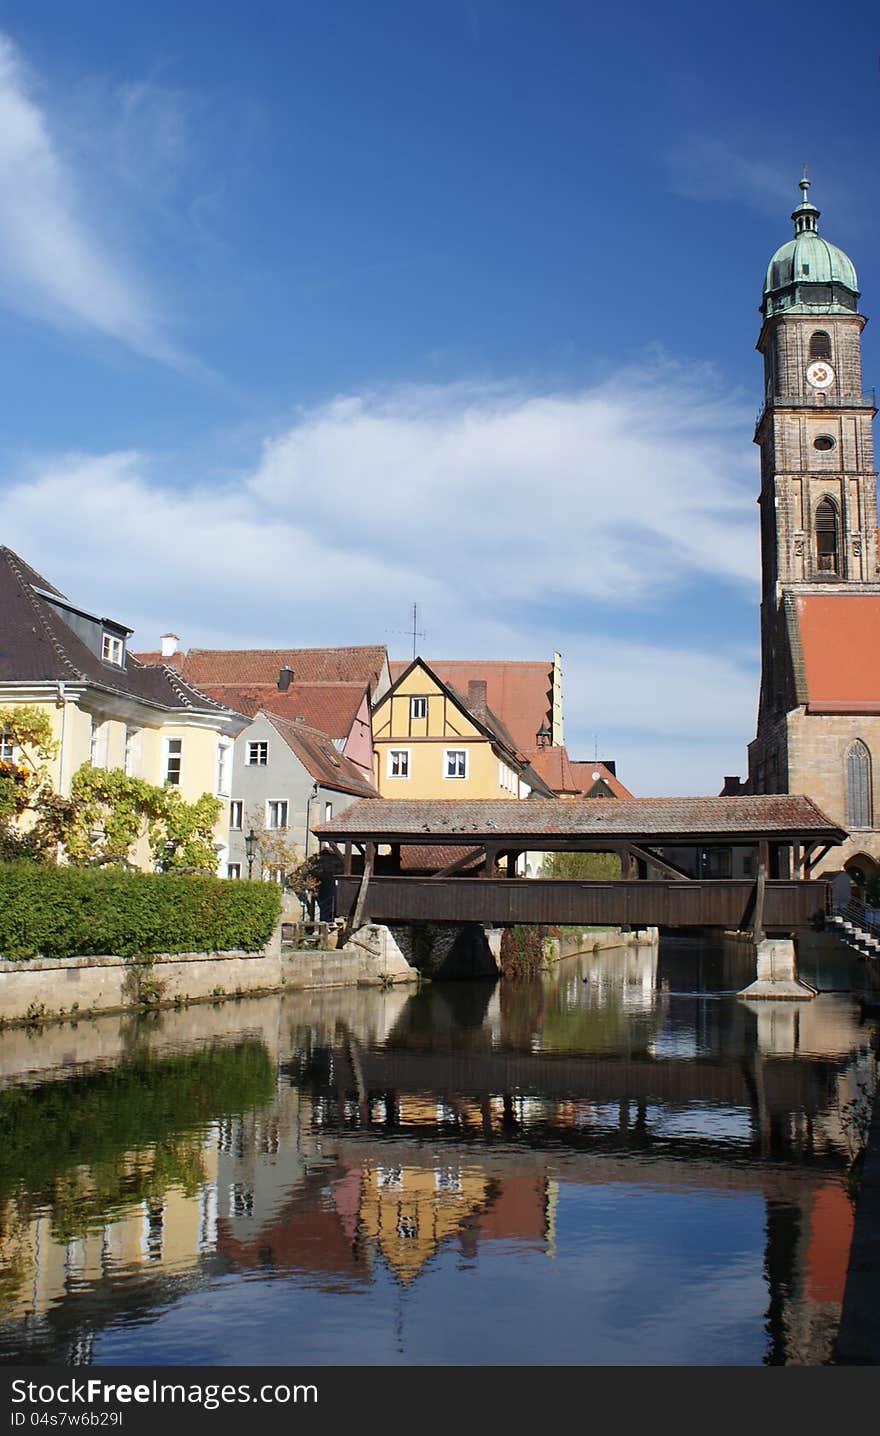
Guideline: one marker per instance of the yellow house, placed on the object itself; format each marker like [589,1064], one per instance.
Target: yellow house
[104,706]
[432,742]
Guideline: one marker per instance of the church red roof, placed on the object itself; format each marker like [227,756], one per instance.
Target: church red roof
[839,640]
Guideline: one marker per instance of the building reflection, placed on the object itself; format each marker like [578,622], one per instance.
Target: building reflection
[444,1121]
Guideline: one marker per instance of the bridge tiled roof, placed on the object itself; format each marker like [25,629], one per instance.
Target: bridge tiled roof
[780,818]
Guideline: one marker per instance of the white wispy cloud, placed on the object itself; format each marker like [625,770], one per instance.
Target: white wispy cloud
[521,523]
[703,165]
[53,263]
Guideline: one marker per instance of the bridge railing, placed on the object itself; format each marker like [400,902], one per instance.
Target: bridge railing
[499,902]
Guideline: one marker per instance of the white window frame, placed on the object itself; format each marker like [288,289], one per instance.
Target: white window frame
[111,649]
[281,809]
[7,747]
[448,754]
[394,757]
[233,872]
[260,748]
[272,875]
[328,812]
[224,768]
[236,815]
[99,743]
[506,776]
[167,755]
[418,706]
[130,754]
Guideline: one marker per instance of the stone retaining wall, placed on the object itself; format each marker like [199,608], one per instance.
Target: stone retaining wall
[43,988]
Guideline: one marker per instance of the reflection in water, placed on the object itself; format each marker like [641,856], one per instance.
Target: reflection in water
[657,1167]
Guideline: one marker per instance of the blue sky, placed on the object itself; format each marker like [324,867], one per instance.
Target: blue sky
[311,313]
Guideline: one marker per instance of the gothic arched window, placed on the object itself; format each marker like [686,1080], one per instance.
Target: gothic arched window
[820,345]
[859,801]
[826,537]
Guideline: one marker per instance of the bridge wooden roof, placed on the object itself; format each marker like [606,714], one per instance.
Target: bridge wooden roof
[542,822]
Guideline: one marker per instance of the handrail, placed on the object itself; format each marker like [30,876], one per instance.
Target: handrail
[855,913]
[816,401]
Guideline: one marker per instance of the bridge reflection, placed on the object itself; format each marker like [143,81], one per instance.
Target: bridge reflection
[406,1127]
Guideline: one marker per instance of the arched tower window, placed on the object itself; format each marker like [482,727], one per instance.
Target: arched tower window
[820,345]
[826,538]
[859,799]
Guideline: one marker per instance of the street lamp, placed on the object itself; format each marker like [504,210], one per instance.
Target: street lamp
[250,848]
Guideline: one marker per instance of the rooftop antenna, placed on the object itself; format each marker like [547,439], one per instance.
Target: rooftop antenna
[414,632]
[595,747]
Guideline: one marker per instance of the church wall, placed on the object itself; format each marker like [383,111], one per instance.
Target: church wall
[817,748]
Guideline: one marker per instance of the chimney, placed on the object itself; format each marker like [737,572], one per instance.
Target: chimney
[733,786]
[285,678]
[169,643]
[477,698]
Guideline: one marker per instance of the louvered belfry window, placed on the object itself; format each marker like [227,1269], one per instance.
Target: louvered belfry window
[826,537]
[859,804]
[820,345]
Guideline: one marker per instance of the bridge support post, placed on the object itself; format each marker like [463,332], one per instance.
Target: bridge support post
[777,975]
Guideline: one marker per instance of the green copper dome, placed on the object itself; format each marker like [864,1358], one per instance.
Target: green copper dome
[808,275]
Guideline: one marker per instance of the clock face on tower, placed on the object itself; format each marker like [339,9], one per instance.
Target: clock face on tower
[820,374]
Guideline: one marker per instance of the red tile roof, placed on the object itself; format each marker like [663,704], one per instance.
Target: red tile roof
[320,759]
[840,640]
[585,775]
[573,779]
[261,665]
[420,857]
[519,693]
[329,707]
[780,817]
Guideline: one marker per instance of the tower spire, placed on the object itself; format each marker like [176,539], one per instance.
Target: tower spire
[806,215]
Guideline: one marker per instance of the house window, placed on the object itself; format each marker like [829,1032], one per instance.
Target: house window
[506,777]
[820,345]
[859,801]
[328,812]
[258,755]
[272,875]
[111,649]
[7,747]
[98,744]
[224,767]
[826,537]
[173,760]
[398,762]
[233,870]
[236,814]
[418,708]
[276,813]
[130,755]
[455,763]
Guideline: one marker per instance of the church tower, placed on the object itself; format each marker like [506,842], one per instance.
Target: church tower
[820,596]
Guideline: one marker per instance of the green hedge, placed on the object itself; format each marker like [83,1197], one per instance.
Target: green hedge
[71,912]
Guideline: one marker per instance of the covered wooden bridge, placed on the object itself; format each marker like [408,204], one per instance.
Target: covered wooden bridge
[783,837]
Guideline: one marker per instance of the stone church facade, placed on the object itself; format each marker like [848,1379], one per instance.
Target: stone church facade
[819,712]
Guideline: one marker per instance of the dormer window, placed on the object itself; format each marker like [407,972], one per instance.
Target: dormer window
[111,649]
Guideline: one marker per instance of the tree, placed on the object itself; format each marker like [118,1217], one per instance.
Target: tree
[586,867]
[25,783]
[108,811]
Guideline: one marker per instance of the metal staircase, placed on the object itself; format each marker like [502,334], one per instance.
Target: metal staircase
[852,925]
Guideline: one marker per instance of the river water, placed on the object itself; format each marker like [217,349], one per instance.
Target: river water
[619,1164]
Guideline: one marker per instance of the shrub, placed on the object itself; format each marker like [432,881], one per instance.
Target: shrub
[69,912]
[522,951]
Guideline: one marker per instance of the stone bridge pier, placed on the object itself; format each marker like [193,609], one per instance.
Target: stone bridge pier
[446,951]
